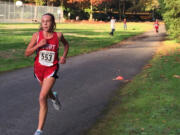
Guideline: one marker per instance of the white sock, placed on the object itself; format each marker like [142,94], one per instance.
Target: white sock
[39,130]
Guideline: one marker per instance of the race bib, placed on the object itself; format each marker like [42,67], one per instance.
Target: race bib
[46,58]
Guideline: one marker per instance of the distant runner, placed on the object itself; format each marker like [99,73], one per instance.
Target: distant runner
[112,26]
[156,26]
[125,24]
[46,45]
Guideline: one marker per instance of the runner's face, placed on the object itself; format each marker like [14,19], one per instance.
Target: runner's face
[46,23]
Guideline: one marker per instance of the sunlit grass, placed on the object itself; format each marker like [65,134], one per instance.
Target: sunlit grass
[82,37]
[168,47]
[150,104]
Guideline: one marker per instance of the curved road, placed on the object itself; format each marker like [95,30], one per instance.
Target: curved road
[85,87]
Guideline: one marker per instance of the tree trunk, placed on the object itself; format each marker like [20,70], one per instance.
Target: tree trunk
[91,13]
[120,10]
[124,7]
[62,10]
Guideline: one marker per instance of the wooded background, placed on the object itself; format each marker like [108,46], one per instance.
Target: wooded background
[133,10]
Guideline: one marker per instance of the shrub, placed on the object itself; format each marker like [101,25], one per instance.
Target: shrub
[171,15]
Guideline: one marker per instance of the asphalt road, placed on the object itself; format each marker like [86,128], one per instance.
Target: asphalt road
[85,87]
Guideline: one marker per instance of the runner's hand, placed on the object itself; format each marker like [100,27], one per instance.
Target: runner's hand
[62,60]
[42,42]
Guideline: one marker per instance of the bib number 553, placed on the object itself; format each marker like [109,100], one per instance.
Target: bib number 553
[46,58]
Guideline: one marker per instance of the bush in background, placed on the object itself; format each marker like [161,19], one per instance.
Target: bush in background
[171,14]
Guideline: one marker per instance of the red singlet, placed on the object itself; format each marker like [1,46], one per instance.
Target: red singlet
[46,60]
[156,25]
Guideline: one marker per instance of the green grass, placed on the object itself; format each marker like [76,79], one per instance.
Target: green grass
[150,104]
[83,38]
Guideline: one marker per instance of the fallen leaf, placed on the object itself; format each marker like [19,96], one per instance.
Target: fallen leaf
[142,129]
[176,76]
[145,75]
[162,76]
[177,59]
[164,121]
[147,66]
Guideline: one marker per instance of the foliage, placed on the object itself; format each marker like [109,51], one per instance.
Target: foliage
[39,2]
[143,5]
[171,15]
[151,4]
[93,2]
[90,7]
[42,2]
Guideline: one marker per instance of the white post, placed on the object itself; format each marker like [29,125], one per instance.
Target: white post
[14,11]
[19,4]
[59,14]
[9,8]
[22,12]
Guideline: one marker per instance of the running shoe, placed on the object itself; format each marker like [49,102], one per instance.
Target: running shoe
[56,102]
[38,132]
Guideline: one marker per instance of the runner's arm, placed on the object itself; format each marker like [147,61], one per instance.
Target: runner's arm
[66,48]
[32,47]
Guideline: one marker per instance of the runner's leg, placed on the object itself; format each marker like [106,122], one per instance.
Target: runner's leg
[47,84]
[50,95]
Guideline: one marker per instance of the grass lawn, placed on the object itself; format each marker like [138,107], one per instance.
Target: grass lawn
[150,104]
[83,38]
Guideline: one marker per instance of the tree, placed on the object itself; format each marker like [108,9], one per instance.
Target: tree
[39,2]
[89,5]
[151,5]
[171,15]
[144,5]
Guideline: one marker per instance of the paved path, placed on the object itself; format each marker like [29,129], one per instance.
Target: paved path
[85,87]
